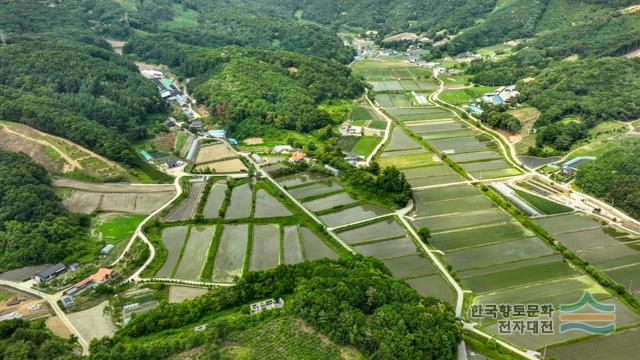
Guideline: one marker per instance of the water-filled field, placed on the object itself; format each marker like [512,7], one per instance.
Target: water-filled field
[214,201]
[434,286]
[268,206]
[385,229]
[231,251]
[314,247]
[463,220]
[173,240]
[300,179]
[410,266]
[241,197]
[388,248]
[315,189]
[353,214]
[484,235]
[291,245]
[569,222]
[455,205]
[433,127]
[265,252]
[195,252]
[475,156]
[329,202]
[401,141]
[497,253]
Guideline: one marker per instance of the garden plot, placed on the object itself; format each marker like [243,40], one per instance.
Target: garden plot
[485,165]
[502,276]
[433,286]
[403,152]
[464,220]
[388,248]
[497,253]
[240,205]
[569,222]
[623,317]
[329,202]
[313,247]
[186,210]
[619,346]
[476,156]
[497,173]
[401,141]
[420,84]
[411,266]
[269,206]
[491,234]
[387,85]
[444,193]
[291,245]
[231,251]
[265,252]
[393,100]
[407,161]
[315,189]
[214,200]
[385,229]
[195,253]
[450,206]
[353,214]
[361,113]
[214,152]
[300,179]
[173,240]
[433,126]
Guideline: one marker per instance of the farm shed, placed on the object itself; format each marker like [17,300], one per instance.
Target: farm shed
[106,249]
[50,272]
[220,134]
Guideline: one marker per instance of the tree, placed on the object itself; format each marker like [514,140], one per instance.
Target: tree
[424,233]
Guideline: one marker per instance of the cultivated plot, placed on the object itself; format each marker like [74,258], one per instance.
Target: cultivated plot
[444,193]
[619,346]
[269,206]
[503,252]
[410,266]
[300,179]
[291,245]
[186,210]
[393,100]
[240,205]
[451,206]
[433,286]
[329,202]
[314,248]
[385,229]
[265,251]
[401,141]
[422,113]
[195,253]
[484,235]
[387,249]
[569,222]
[214,200]
[462,220]
[315,189]
[407,161]
[449,134]
[403,152]
[476,156]
[433,127]
[231,251]
[353,214]
[173,240]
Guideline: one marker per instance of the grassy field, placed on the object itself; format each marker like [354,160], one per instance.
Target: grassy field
[115,228]
[407,161]
[365,145]
[462,96]
[360,113]
[378,124]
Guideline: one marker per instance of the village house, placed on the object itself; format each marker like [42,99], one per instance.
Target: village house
[282,149]
[268,304]
[50,272]
[297,156]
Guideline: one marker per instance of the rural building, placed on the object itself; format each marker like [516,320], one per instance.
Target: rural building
[74,266]
[152,74]
[507,93]
[50,272]
[192,150]
[297,156]
[257,158]
[571,167]
[171,163]
[218,134]
[145,154]
[282,149]
[509,194]
[441,69]
[67,301]
[106,249]
[333,170]
[196,124]
[348,130]
[100,277]
[268,304]
[476,110]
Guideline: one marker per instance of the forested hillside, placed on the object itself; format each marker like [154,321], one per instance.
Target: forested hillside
[249,90]
[614,177]
[34,227]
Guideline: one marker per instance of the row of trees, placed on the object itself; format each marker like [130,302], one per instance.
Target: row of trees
[34,227]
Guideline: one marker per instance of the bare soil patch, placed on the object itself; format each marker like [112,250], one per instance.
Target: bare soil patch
[93,323]
[35,150]
[57,327]
[214,152]
[181,293]
[633,53]
[226,166]
[253,141]
[166,141]
[116,45]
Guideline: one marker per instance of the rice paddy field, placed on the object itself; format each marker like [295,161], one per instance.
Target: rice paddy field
[232,248]
[353,214]
[313,247]
[329,202]
[268,206]
[214,200]
[240,196]
[186,210]
[291,247]
[195,252]
[315,189]
[393,100]
[624,343]
[265,251]
[173,240]
[300,179]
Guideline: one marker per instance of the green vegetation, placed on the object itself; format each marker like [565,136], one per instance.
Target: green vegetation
[462,96]
[116,228]
[20,339]
[501,119]
[613,176]
[541,204]
[365,145]
[34,227]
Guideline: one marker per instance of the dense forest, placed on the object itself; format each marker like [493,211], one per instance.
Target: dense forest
[20,339]
[353,301]
[250,90]
[615,177]
[34,227]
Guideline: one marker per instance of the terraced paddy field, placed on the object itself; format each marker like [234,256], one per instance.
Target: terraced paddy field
[187,208]
[627,275]
[387,249]
[384,229]
[484,235]
[315,189]
[241,195]
[404,152]
[622,345]
[421,113]
[449,134]
[265,251]
[292,249]
[463,220]
[475,156]
[433,127]
[329,202]
[214,200]
[410,266]
[300,179]
[195,253]
[173,240]
[393,100]
[401,141]
[353,214]
[407,161]
[453,205]
[231,251]
[313,247]
[269,206]
[419,84]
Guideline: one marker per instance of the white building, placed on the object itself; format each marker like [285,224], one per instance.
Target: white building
[268,304]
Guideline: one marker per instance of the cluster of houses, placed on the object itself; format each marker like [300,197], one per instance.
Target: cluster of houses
[294,155]
[168,90]
[101,276]
[502,95]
